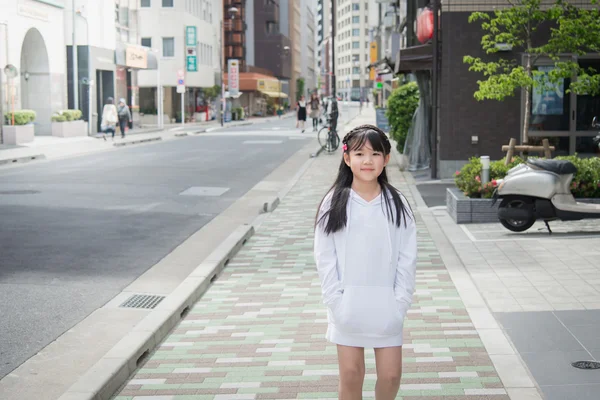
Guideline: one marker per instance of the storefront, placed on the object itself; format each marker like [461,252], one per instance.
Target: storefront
[261,93]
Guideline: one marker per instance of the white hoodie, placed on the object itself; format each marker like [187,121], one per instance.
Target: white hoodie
[367,272]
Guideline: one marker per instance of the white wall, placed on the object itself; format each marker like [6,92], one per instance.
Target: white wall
[49,21]
[101,18]
[157,22]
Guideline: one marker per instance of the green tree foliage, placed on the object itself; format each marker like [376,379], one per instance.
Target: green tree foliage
[401,107]
[573,30]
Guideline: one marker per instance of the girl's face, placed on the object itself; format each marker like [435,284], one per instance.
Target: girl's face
[366,164]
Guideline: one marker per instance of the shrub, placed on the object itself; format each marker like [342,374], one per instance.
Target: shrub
[67,115]
[22,117]
[585,184]
[402,104]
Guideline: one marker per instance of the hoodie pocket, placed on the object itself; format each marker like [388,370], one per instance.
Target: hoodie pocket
[369,310]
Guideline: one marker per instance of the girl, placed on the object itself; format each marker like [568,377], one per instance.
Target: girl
[366,253]
[301,109]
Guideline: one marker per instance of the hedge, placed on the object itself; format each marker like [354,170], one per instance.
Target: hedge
[67,115]
[401,107]
[22,117]
[585,183]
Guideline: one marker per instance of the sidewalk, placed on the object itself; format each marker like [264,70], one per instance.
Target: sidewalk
[50,147]
[258,332]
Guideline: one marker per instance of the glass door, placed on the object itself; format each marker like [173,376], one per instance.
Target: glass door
[552,114]
[587,107]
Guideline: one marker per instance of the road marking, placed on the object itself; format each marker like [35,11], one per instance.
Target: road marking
[262,142]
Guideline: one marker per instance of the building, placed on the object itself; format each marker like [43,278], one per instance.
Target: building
[352,48]
[463,127]
[308,49]
[186,35]
[324,13]
[268,54]
[34,34]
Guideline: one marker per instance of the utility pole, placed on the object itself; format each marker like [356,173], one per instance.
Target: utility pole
[74,57]
[334,79]
[434,89]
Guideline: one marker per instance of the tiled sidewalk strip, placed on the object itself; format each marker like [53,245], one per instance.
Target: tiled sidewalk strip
[258,332]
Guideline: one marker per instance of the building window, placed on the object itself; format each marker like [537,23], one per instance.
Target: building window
[356,45]
[356,20]
[356,71]
[167,3]
[145,3]
[168,47]
[355,32]
[355,7]
[147,42]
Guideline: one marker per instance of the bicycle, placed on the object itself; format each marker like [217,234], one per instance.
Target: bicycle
[328,138]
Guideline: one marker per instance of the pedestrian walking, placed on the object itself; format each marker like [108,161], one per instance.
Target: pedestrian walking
[315,111]
[124,117]
[301,113]
[110,118]
[365,249]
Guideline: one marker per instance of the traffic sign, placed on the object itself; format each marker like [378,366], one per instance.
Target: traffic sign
[180,82]
[180,88]
[180,74]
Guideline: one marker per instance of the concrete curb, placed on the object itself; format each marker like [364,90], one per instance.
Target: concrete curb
[24,159]
[269,206]
[114,369]
[147,140]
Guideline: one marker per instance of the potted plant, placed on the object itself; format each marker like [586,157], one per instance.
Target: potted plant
[68,123]
[23,129]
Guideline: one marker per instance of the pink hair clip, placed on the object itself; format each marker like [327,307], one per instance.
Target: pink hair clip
[345,147]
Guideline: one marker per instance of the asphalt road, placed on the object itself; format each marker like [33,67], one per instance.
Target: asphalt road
[75,232]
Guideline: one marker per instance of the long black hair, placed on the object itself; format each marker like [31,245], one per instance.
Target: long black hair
[336,214]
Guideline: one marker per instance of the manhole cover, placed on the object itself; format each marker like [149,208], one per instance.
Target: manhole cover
[146,301]
[586,364]
[19,192]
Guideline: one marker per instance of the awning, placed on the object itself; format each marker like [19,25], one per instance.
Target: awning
[416,58]
[229,96]
[274,94]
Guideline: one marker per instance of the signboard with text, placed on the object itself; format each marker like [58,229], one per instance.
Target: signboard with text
[233,76]
[191,61]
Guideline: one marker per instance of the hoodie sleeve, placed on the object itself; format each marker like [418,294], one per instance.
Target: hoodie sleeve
[406,267]
[326,259]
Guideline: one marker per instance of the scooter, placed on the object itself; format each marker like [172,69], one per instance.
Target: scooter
[540,189]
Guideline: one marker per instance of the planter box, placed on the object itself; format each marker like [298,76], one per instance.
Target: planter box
[69,129]
[18,134]
[465,210]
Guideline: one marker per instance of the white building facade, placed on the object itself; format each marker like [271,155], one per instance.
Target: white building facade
[309,39]
[186,36]
[33,40]
[352,42]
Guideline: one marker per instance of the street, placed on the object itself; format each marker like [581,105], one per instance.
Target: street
[75,232]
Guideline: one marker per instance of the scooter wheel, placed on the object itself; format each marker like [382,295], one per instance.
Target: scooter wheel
[520,225]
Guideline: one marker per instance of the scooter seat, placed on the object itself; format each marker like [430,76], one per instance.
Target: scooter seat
[560,167]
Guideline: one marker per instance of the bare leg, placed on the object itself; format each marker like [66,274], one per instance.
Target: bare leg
[388,362]
[352,372]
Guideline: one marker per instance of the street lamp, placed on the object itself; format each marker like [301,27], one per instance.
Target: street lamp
[232,12]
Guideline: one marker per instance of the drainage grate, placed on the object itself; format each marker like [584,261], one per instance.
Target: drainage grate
[146,301]
[586,364]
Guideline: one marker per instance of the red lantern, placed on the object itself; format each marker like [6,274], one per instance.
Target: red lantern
[425,26]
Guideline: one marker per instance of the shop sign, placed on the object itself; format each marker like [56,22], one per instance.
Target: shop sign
[233,76]
[136,57]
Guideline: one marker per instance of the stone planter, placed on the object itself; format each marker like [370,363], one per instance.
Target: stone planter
[18,134]
[69,129]
[465,210]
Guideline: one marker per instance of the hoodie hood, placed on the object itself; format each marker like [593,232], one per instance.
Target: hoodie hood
[359,200]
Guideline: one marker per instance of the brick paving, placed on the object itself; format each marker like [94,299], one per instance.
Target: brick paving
[258,332]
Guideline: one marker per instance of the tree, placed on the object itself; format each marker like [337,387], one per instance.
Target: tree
[573,30]
[212,92]
[299,88]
